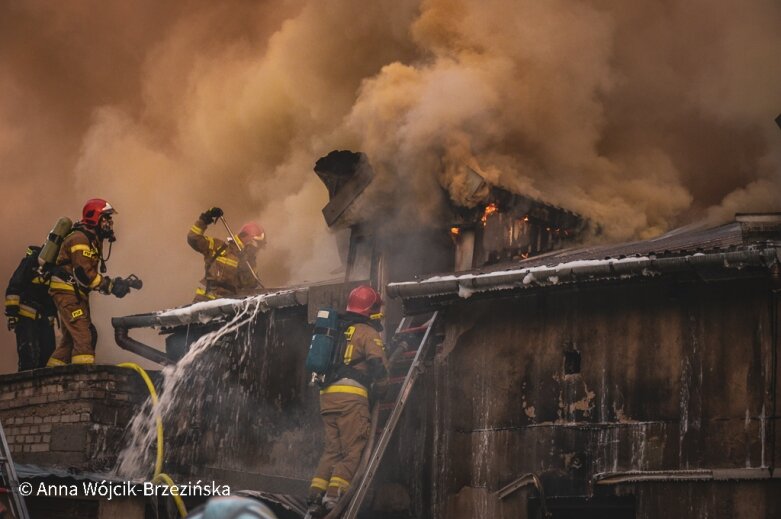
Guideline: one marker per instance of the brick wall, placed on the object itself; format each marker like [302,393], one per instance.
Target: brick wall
[69,416]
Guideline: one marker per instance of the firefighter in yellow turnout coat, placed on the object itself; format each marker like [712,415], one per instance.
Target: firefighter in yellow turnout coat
[227,264]
[76,274]
[344,403]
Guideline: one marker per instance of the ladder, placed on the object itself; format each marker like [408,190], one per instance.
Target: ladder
[11,480]
[412,343]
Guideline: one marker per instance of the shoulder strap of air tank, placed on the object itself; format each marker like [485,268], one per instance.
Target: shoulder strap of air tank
[216,254]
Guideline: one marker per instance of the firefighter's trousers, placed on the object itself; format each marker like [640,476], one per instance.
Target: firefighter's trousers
[34,342]
[347,424]
[79,336]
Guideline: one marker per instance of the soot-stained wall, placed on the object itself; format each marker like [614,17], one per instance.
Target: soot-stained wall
[249,411]
[566,383]
[671,376]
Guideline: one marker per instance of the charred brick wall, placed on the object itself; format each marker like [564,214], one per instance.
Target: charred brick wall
[70,416]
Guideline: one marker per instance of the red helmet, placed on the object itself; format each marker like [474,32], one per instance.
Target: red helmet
[364,300]
[94,209]
[252,231]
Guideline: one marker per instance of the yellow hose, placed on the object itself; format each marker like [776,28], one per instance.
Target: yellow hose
[153,394]
[159,475]
[174,492]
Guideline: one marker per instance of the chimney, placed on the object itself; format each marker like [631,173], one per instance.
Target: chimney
[346,175]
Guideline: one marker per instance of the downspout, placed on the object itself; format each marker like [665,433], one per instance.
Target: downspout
[178,317]
[139,348]
[523,481]
[775,297]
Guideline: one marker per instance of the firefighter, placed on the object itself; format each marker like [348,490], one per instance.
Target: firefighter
[76,273]
[30,312]
[228,265]
[344,403]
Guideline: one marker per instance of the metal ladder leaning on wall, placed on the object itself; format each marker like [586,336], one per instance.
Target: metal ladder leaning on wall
[11,480]
[418,341]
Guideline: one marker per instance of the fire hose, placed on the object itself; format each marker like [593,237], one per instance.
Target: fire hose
[159,476]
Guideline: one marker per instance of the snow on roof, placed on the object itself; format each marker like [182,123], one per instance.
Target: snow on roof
[464,285]
[470,283]
[207,311]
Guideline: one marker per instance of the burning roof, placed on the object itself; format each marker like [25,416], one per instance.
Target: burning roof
[489,224]
[735,248]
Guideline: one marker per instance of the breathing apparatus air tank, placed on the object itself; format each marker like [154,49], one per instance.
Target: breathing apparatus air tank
[51,248]
[322,353]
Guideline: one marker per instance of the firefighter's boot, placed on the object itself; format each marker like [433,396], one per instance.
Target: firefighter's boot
[315,506]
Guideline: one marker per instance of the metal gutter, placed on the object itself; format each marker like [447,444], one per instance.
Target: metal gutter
[669,476]
[205,312]
[178,316]
[196,313]
[580,271]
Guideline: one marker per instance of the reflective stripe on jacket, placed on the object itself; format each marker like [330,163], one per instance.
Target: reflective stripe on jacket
[79,259]
[226,269]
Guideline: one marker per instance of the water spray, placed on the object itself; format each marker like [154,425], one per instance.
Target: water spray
[175,394]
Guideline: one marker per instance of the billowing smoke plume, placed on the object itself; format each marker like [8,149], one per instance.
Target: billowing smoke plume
[640,115]
[637,115]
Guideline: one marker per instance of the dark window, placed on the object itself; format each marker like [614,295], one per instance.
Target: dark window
[571,362]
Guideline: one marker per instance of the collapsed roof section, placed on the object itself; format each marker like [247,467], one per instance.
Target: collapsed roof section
[746,246]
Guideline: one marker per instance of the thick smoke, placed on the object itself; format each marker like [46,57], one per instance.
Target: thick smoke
[640,115]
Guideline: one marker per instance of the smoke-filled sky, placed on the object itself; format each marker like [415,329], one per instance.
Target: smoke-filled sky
[640,115]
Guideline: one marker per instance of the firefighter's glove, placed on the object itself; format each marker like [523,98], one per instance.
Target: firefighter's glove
[120,287]
[11,310]
[211,215]
[12,322]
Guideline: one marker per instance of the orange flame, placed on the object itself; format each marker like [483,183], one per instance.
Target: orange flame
[489,210]
[455,231]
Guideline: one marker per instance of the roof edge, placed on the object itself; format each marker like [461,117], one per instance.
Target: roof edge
[581,271]
[209,310]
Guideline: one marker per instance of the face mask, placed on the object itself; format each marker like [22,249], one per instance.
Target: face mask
[106,229]
[256,245]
